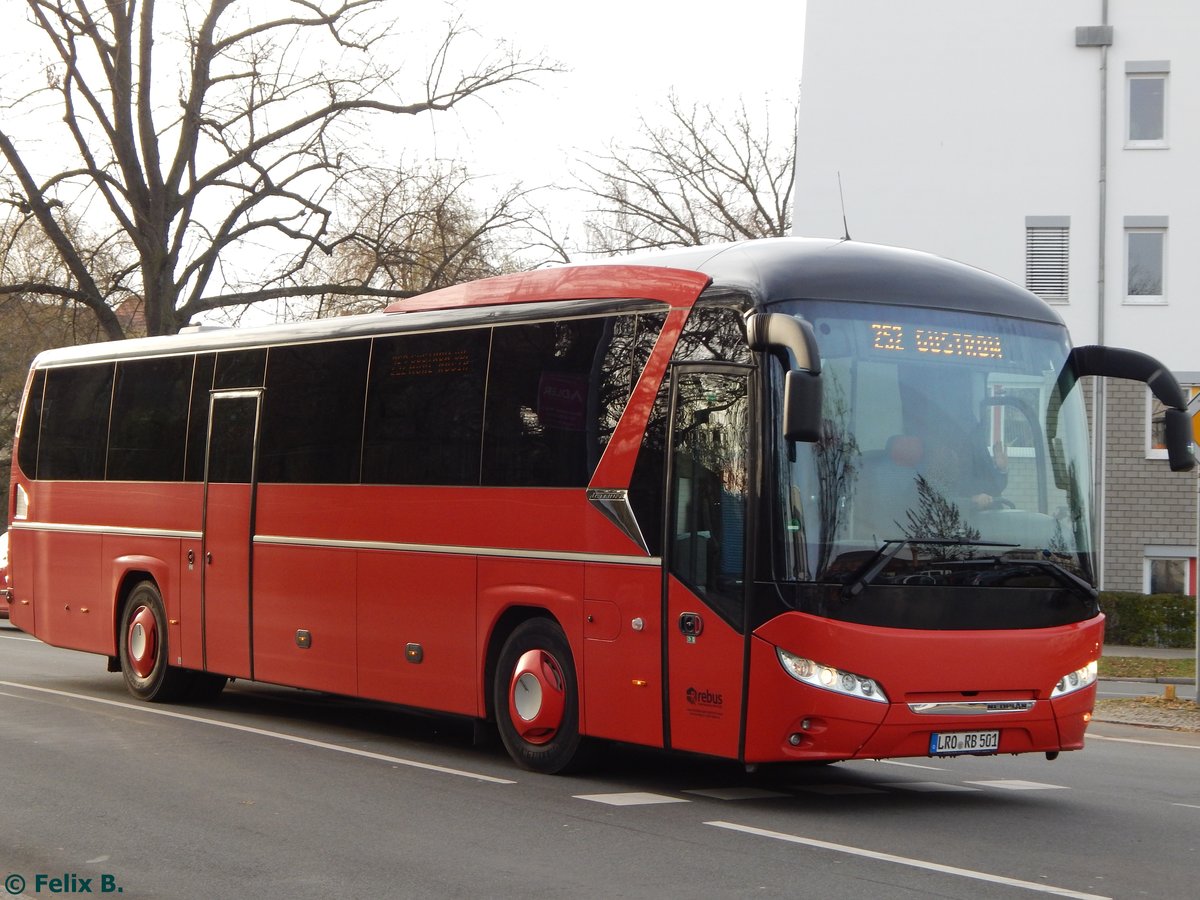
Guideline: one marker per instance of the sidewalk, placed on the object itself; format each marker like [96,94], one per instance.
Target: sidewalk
[1154,652]
[1151,711]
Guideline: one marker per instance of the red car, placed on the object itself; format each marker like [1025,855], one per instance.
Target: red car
[3,575]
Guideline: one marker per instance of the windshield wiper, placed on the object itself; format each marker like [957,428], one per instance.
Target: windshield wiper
[885,554]
[1061,574]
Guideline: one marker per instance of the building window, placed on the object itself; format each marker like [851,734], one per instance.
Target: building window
[1145,259]
[1047,257]
[1156,447]
[1146,104]
[1168,570]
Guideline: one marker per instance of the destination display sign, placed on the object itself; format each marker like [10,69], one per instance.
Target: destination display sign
[913,340]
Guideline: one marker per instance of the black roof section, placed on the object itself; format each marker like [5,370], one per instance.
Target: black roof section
[771,270]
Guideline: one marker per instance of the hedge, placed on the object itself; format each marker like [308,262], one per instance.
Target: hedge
[1149,620]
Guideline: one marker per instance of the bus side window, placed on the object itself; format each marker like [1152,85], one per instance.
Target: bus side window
[75,417]
[424,416]
[31,426]
[197,435]
[313,413]
[149,421]
[536,423]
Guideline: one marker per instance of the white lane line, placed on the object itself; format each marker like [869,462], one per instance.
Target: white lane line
[907,861]
[1013,784]
[630,798]
[1187,805]
[1117,740]
[17,637]
[278,735]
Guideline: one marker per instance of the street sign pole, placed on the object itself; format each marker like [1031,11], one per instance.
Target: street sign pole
[1194,408]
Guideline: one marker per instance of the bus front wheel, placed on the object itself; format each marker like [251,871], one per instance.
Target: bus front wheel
[536,698]
[143,648]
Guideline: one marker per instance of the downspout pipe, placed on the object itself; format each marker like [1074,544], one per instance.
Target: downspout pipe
[1100,36]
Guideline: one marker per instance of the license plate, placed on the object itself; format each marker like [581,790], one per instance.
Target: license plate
[946,743]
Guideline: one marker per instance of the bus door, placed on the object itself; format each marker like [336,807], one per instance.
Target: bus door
[229,493]
[704,626]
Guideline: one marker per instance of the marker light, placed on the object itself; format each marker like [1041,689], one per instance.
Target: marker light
[1075,681]
[830,679]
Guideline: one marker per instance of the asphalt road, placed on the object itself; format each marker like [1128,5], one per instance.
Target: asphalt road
[279,793]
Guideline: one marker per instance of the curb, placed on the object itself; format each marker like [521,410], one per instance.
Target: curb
[1162,680]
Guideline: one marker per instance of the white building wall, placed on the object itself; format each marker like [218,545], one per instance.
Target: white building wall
[951,122]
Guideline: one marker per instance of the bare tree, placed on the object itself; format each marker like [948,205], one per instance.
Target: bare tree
[240,166]
[411,230]
[704,176]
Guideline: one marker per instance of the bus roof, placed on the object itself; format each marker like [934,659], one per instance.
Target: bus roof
[770,270]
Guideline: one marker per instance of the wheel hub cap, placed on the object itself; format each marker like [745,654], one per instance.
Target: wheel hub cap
[536,697]
[142,644]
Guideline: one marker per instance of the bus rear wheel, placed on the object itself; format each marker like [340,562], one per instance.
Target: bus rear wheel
[536,699]
[143,648]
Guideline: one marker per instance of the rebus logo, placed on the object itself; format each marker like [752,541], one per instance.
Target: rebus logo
[703,698]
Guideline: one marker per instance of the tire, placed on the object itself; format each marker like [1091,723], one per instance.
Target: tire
[143,648]
[536,699]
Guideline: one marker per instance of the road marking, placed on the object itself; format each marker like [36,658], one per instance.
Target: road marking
[278,735]
[907,861]
[738,793]
[1013,784]
[907,765]
[630,798]
[837,790]
[1187,805]
[1100,737]
[928,786]
[17,637]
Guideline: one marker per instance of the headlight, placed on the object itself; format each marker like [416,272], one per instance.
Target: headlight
[1075,681]
[830,679]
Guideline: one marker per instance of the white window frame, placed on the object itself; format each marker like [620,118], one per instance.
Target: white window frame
[1152,406]
[1146,70]
[1146,225]
[1184,555]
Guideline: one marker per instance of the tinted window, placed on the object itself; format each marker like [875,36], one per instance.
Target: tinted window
[425,408]
[75,423]
[31,426]
[650,471]
[240,369]
[625,346]
[149,425]
[198,417]
[713,333]
[231,451]
[313,413]
[540,421]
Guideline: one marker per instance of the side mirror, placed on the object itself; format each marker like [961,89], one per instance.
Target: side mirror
[1113,362]
[1178,437]
[802,406]
[794,341]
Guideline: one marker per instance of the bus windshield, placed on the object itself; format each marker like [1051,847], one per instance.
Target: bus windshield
[958,428]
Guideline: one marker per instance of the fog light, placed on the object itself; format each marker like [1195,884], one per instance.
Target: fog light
[795,739]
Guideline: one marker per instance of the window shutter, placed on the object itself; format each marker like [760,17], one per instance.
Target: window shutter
[1047,262]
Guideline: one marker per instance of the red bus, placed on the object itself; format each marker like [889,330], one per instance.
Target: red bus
[781,500]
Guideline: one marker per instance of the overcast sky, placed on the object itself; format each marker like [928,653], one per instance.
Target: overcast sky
[622,59]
